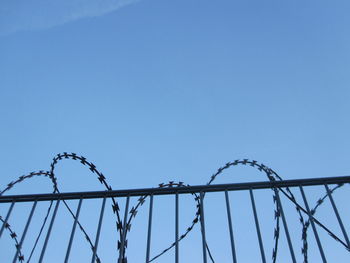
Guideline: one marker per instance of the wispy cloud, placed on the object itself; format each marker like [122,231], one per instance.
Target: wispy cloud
[20,15]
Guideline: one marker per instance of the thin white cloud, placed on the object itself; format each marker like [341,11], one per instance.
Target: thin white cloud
[20,15]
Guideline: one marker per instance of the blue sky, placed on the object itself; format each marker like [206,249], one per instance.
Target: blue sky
[152,91]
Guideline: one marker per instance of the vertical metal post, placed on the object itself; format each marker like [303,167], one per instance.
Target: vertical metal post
[233,250]
[7,217]
[122,242]
[49,232]
[338,216]
[98,230]
[24,232]
[204,241]
[73,231]
[257,226]
[149,228]
[177,227]
[313,225]
[279,203]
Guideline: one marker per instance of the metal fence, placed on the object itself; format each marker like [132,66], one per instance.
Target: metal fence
[200,193]
[306,221]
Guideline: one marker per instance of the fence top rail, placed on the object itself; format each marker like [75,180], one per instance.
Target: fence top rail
[174,190]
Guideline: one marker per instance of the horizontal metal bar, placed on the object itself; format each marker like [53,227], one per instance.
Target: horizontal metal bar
[174,190]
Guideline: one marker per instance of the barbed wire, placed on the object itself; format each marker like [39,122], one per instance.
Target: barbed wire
[13,235]
[270,174]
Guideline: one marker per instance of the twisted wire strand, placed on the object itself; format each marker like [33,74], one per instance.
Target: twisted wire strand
[9,187]
[319,202]
[306,224]
[13,235]
[56,190]
[31,175]
[261,167]
[335,237]
[100,177]
[46,174]
[189,228]
[40,232]
[271,175]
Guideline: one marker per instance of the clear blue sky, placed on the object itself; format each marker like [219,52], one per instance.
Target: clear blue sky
[152,90]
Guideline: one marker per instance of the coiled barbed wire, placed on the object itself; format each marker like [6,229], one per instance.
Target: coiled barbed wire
[271,175]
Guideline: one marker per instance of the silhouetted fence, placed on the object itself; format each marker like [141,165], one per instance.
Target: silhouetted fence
[233,224]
